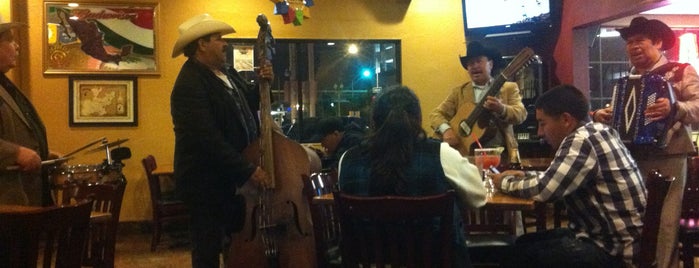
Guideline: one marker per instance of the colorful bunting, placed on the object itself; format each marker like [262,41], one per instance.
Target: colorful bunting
[281,7]
[293,11]
[290,16]
[299,17]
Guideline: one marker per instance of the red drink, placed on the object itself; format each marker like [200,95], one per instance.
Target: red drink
[490,161]
[485,158]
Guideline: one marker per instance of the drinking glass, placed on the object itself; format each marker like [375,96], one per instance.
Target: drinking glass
[486,158]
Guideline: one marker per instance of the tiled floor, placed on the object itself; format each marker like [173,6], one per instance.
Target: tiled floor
[133,250]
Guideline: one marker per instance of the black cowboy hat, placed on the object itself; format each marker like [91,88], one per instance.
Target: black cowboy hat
[476,49]
[654,29]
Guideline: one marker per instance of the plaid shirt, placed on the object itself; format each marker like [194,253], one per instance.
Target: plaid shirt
[600,184]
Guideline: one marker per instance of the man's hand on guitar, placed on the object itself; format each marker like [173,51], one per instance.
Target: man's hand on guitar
[603,115]
[494,104]
[449,136]
[658,110]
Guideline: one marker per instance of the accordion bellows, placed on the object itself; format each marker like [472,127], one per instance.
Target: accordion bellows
[632,95]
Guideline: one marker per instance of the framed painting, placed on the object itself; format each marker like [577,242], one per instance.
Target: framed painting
[90,38]
[243,57]
[103,101]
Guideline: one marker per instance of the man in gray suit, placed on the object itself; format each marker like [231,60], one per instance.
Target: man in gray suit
[22,134]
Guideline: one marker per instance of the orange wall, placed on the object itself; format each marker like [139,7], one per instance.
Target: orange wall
[432,39]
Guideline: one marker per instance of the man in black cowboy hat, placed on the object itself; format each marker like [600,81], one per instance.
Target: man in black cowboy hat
[506,109]
[645,42]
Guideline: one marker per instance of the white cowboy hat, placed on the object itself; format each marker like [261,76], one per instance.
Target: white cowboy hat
[196,27]
[4,26]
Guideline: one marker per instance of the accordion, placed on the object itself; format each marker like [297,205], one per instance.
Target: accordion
[632,95]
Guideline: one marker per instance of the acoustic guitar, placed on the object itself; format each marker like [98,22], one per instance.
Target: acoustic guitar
[475,123]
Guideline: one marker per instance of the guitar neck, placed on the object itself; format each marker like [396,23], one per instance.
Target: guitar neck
[492,91]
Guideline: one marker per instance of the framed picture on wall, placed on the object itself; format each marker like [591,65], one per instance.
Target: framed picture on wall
[90,38]
[243,57]
[103,101]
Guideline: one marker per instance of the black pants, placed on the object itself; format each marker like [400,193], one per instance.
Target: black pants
[558,248]
[207,230]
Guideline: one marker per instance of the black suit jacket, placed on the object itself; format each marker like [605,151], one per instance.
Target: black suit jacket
[210,134]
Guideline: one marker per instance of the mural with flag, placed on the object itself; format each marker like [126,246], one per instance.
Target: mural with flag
[89,38]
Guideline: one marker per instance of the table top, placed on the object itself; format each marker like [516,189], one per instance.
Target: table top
[167,169]
[502,201]
[496,201]
[17,208]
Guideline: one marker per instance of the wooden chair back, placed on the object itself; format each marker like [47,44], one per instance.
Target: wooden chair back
[689,219]
[166,208]
[326,226]
[100,249]
[149,164]
[396,230]
[47,237]
[690,200]
[657,186]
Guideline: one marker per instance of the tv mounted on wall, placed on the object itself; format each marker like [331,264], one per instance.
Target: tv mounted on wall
[492,18]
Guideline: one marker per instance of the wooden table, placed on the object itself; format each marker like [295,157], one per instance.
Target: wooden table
[164,170]
[502,201]
[17,209]
[495,201]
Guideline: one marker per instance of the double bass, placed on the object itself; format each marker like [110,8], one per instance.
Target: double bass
[277,230]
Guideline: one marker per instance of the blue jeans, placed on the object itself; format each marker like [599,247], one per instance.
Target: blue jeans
[558,248]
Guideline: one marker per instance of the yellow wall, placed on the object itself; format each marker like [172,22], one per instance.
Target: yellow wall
[432,39]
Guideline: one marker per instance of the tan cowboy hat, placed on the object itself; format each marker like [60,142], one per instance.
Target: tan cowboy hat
[4,26]
[196,27]
[653,29]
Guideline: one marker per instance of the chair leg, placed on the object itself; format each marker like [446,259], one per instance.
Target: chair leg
[157,226]
[687,256]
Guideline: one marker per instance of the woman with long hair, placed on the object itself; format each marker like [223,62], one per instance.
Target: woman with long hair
[397,158]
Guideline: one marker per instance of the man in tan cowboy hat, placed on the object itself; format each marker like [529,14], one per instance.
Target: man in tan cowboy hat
[645,42]
[213,110]
[505,109]
[23,141]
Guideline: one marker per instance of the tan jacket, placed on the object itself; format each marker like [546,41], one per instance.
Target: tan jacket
[15,187]
[515,112]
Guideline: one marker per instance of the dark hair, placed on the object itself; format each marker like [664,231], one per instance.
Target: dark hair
[396,126]
[564,99]
[190,49]
[329,125]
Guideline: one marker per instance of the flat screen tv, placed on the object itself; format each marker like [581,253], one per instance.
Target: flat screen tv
[506,17]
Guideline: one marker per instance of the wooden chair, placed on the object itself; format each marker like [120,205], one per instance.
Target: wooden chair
[326,226]
[489,233]
[166,208]
[689,219]
[657,186]
[395,230]
[46,237]
[99,251]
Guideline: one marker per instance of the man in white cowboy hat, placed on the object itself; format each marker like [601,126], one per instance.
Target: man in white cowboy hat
[506,108]
[645,42]
[23,137]
[213,110]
